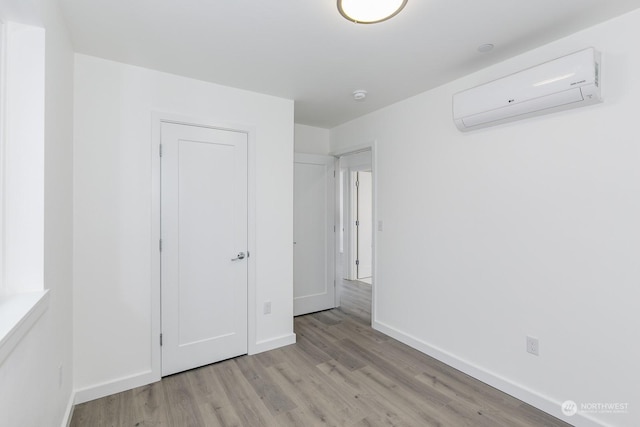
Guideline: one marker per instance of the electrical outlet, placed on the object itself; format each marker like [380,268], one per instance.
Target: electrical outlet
[533,346]
[267,307]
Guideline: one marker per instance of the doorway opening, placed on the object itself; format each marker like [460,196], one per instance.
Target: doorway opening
[355,270]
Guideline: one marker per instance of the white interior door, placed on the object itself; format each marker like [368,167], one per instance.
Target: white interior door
[313,231]
[203,229]
[365,224]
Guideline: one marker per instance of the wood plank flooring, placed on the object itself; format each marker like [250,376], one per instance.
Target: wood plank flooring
[339,373]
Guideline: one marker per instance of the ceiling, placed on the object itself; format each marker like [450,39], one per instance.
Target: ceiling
[306,51]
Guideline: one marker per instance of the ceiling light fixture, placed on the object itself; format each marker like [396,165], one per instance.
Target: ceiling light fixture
[370,11]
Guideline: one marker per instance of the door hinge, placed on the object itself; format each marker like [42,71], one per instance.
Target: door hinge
[334,228]
[160,245]
[357,183]
[160,150]
[357,262]
[357,223]
[160,339]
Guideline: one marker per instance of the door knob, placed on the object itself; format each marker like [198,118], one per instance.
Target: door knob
[240,256]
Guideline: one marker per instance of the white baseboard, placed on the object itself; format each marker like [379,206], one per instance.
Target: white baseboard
[115,386]
[68,413]
[531,397]
[143,378]
[273,343]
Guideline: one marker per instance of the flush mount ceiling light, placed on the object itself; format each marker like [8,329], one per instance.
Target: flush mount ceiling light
[370,11]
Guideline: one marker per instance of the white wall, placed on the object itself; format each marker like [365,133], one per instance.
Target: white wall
[30,392]
[530,228]
[311,140]
[113,201]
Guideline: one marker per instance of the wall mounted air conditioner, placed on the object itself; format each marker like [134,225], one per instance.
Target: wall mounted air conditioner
[568,82]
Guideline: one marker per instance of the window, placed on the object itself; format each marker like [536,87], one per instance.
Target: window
[22,295]
[3,86]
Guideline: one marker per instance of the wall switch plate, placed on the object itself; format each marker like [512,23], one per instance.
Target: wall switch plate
[267,307]
[533,346]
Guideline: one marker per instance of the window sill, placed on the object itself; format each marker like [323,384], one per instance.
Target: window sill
[18,313]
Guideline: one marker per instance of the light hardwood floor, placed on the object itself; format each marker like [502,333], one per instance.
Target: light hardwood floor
[339,373]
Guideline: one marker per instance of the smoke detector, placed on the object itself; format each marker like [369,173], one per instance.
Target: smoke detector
[359,95]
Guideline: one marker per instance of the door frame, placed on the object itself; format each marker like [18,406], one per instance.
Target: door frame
[373,147]
[157,118]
